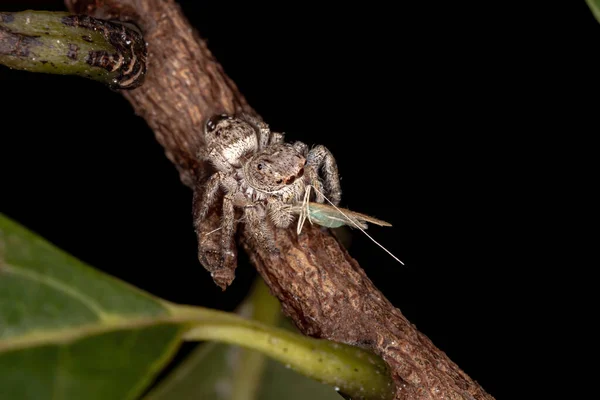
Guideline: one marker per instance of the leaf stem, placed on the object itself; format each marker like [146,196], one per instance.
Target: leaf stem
[357,373]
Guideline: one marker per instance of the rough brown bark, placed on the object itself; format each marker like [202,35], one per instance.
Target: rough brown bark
[321,287]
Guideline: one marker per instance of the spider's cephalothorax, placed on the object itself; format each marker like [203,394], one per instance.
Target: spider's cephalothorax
[260,174]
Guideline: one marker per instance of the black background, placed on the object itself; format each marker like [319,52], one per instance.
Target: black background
[434,114]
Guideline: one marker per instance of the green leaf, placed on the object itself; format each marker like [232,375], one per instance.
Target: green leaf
[70,332]
[358,373]
[595,7]
[224,372]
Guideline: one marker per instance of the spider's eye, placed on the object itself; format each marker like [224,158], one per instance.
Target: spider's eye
[259,167]
[279,181]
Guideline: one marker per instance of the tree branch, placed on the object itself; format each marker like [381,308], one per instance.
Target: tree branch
[321,287]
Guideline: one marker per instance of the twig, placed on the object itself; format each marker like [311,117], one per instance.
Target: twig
[321,287]
[65,44]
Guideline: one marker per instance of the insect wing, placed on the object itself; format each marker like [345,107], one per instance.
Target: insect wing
[333,217]
[327,216]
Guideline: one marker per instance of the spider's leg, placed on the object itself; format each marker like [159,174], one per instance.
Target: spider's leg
[279,212]
[276,138]
[228,224]
[321,158]
[312,172]
[209,243]
[225,245]
[257,225]
[209,195]
[314,180]
[264,133]
[301,148]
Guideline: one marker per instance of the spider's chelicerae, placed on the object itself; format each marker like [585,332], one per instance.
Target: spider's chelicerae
[261,175]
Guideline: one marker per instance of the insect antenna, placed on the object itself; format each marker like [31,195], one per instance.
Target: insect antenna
[355,224]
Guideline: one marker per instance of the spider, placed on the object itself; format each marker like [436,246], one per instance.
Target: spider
[262,175]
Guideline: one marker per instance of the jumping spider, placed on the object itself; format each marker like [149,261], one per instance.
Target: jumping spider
[261,175]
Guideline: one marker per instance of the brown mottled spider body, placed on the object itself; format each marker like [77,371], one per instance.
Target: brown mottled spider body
[262,175]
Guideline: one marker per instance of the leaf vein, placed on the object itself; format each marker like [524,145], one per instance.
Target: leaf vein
[49,281]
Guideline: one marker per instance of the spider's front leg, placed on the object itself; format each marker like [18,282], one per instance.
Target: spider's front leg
[279,213]
[203,205]
[209,196]
[228,224]
[217,180]
[312,173]
[259,229]
[320,158]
